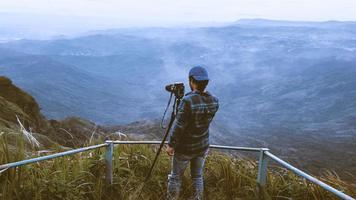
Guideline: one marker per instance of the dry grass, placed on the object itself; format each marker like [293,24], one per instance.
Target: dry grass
[82,176]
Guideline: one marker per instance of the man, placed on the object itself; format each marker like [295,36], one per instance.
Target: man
[189,139]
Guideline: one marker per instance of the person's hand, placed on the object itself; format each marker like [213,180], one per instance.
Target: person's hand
[169,150]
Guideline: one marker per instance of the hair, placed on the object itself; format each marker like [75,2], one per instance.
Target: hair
[201,85]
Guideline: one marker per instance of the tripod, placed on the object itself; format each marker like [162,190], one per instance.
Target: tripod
[176,103]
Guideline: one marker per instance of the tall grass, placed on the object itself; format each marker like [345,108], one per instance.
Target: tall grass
[82,176]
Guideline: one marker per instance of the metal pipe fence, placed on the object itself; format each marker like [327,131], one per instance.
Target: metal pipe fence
[264,154]
[49,157]
[308,177]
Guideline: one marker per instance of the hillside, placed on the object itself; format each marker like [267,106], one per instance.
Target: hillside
[17,104]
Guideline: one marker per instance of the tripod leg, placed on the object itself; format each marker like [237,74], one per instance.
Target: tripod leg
[160,147]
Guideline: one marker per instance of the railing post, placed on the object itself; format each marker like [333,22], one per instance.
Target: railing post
[108,161]
[262,169]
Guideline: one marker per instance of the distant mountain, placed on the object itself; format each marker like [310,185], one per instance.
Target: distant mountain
[63,89]
[292,73]
[266,22]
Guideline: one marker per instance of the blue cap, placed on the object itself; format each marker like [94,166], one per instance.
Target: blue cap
[199,73]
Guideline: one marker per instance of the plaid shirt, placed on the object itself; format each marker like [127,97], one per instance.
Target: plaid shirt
[190,132]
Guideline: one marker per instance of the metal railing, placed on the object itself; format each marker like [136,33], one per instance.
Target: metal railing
[264,154]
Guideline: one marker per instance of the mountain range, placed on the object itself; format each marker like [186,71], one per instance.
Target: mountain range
[288,86]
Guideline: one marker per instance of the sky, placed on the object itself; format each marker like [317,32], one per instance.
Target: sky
[141,12]
[44,18]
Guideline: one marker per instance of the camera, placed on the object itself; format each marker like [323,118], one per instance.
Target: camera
[177,89]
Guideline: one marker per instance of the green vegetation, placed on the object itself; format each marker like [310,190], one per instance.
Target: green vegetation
[82,176]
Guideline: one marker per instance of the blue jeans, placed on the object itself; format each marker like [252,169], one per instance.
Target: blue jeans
[179,164]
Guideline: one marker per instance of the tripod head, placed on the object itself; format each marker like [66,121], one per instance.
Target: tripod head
[177,89]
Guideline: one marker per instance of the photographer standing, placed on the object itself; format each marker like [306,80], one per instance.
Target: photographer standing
[189,139]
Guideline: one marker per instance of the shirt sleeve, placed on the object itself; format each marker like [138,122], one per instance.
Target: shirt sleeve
[180,123]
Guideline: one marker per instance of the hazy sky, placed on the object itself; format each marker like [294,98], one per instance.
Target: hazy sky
[42,19]
[140,12]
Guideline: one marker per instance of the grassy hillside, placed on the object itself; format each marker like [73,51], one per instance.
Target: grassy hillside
[17,106]
[15,102]
[82,176]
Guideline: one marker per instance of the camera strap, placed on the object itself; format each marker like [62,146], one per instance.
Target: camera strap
[165,111]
